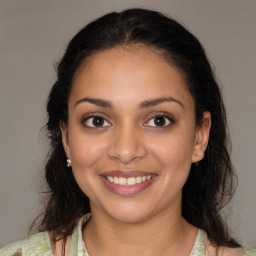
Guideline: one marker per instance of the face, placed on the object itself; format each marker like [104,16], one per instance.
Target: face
[131,133]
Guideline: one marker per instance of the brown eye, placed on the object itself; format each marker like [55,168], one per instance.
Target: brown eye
[96,122]
[159,121]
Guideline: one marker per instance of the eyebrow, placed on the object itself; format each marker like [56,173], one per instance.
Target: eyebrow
[97,102]
[145,104]
[154,102]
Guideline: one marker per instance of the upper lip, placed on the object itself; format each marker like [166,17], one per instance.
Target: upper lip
[126,174]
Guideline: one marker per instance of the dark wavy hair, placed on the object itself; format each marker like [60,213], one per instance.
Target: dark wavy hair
[210,184]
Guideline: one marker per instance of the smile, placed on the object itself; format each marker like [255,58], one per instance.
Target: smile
[128,181]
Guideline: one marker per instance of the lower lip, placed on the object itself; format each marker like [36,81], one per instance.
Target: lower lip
[127,190]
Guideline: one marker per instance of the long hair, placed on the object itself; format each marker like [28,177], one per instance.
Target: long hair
[210,185]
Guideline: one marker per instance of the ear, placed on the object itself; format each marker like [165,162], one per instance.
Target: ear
[64,133]
[202,137]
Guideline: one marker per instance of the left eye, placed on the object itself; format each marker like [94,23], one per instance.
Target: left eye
[96,122]
[159,121]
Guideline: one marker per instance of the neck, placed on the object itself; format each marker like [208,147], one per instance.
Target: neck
[161,234]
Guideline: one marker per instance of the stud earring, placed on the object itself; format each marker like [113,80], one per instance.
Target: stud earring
[68,162]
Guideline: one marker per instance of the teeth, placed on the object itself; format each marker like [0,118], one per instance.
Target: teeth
[122,181]
[116,180]
[128,181]
[131,181]
[138,179]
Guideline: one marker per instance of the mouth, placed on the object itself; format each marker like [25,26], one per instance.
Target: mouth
[127,183]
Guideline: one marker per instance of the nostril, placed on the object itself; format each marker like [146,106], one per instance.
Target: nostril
[126,149]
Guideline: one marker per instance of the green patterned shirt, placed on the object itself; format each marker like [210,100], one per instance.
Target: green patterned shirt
[39,244]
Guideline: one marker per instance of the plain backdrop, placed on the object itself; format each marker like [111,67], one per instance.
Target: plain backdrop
[33,36]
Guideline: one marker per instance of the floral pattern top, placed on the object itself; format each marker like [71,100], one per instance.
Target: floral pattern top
[39,244]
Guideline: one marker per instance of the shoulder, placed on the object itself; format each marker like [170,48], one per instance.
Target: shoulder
[38,244]
[242,251]
[212,250]
[249,251]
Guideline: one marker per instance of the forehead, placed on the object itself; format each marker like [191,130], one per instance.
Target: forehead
[128,71]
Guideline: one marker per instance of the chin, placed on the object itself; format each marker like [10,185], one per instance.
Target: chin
[129,217]
[129,212]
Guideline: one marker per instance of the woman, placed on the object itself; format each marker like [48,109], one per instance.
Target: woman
[139,162]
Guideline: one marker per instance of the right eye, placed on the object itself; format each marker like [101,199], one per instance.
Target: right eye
[96,122]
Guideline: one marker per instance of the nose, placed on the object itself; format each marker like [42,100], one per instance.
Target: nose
[126,145]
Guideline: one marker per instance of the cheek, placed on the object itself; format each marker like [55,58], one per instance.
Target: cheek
[85,151]
[174,151]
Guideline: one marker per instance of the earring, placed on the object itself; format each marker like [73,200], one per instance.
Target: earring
[68,162]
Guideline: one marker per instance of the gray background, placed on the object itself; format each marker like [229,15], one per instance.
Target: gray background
[34,34]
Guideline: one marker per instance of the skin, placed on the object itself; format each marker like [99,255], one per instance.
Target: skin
[126,79]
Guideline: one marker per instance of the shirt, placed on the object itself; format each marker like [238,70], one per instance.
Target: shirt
[40,244]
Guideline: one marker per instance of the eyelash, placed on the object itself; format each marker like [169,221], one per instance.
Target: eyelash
[88,121]
[167,118]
